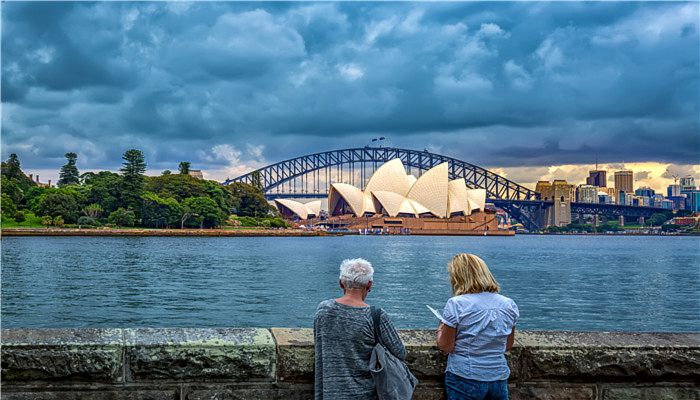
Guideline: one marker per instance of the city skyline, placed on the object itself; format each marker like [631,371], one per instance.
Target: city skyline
[231,87]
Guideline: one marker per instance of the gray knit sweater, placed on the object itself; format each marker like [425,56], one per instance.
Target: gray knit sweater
[344,339]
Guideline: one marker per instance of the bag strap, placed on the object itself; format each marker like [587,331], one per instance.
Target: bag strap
[376,312]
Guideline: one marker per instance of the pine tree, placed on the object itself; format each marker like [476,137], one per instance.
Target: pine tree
[11,167]
[133,178]
[69,174]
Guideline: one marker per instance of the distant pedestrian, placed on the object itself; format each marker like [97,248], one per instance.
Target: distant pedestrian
[478,327]
[344,337]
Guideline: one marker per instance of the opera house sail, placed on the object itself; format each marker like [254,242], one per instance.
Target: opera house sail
[393,199]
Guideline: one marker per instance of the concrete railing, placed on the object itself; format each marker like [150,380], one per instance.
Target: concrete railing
[233,363]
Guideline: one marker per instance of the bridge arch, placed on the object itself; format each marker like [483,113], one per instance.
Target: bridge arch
[497,187]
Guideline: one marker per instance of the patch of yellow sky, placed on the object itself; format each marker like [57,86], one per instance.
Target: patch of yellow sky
[646,174]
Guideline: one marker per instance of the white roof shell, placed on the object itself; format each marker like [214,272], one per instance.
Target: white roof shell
[431,190]
[458,201]
[477,199]
[301,210]
[411,180]
[390,177]
[352,195]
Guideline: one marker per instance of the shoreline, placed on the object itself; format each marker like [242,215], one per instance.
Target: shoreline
[262,232]
[163,232]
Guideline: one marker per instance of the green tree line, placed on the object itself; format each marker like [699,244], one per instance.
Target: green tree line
[130,198]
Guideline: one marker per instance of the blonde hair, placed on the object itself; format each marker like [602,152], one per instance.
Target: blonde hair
[469,274]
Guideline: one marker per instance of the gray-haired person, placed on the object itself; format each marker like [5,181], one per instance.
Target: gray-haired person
[344,336]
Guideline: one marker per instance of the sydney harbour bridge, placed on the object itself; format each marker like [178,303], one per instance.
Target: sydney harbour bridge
[310,176]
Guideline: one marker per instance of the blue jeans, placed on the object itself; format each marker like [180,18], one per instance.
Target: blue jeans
[459,388]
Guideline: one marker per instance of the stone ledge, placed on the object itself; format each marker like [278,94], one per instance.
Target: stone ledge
[88,355]
[676,392]
[281,359]
[189,354]
[608,356]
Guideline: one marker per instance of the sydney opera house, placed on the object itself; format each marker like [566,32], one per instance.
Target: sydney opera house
[396,202]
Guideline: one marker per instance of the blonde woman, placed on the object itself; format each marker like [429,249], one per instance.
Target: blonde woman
[478,327]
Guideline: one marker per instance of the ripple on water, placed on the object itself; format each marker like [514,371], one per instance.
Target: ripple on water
[559,282]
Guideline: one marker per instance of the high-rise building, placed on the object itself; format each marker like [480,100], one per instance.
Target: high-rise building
[624,181]
[642,201]
[597,178]
[625,199]
[678,201]
[693,201]
[673,190]
[604,198]
[612,192]
[587,194]
[667,204]
[645,191]
[687,183]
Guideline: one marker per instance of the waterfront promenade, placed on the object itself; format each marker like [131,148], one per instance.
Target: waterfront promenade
[277,363]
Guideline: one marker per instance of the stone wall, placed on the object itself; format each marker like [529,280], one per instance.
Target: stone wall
[231,363]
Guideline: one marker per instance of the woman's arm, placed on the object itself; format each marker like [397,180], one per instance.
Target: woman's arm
[446,337]
[510,340]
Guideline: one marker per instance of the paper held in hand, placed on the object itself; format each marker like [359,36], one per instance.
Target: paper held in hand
[436,313]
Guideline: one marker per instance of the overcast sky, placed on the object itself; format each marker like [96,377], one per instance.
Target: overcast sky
[524,88]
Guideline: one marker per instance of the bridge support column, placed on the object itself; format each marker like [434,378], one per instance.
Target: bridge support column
[596,220]
[622,220]
[641,221]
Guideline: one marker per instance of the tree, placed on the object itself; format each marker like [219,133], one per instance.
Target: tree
[46,221]
[133,178]
[658,219]
[11,168]
[14,182]
[104,188]
[7,206]
[58,221]
[204,210]
[31,198]
[122,217]
[184,168]
[159,212]
[86,177]
[93,210]
[177,186]
[166,172]
[87,221]
[55,203]
[251,201]
[223,198]
[69,173]
[10,187]
[19,216]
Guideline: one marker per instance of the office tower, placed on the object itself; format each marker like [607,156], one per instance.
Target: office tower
[597,178]
[645,191]
[687,183]
[587,194]
[624,181]
[673,190]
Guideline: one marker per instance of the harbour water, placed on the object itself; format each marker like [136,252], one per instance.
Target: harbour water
[578,283]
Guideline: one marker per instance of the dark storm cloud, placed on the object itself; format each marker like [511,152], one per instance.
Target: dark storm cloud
[501,84]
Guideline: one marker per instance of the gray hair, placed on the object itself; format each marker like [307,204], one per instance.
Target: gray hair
[356,273]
